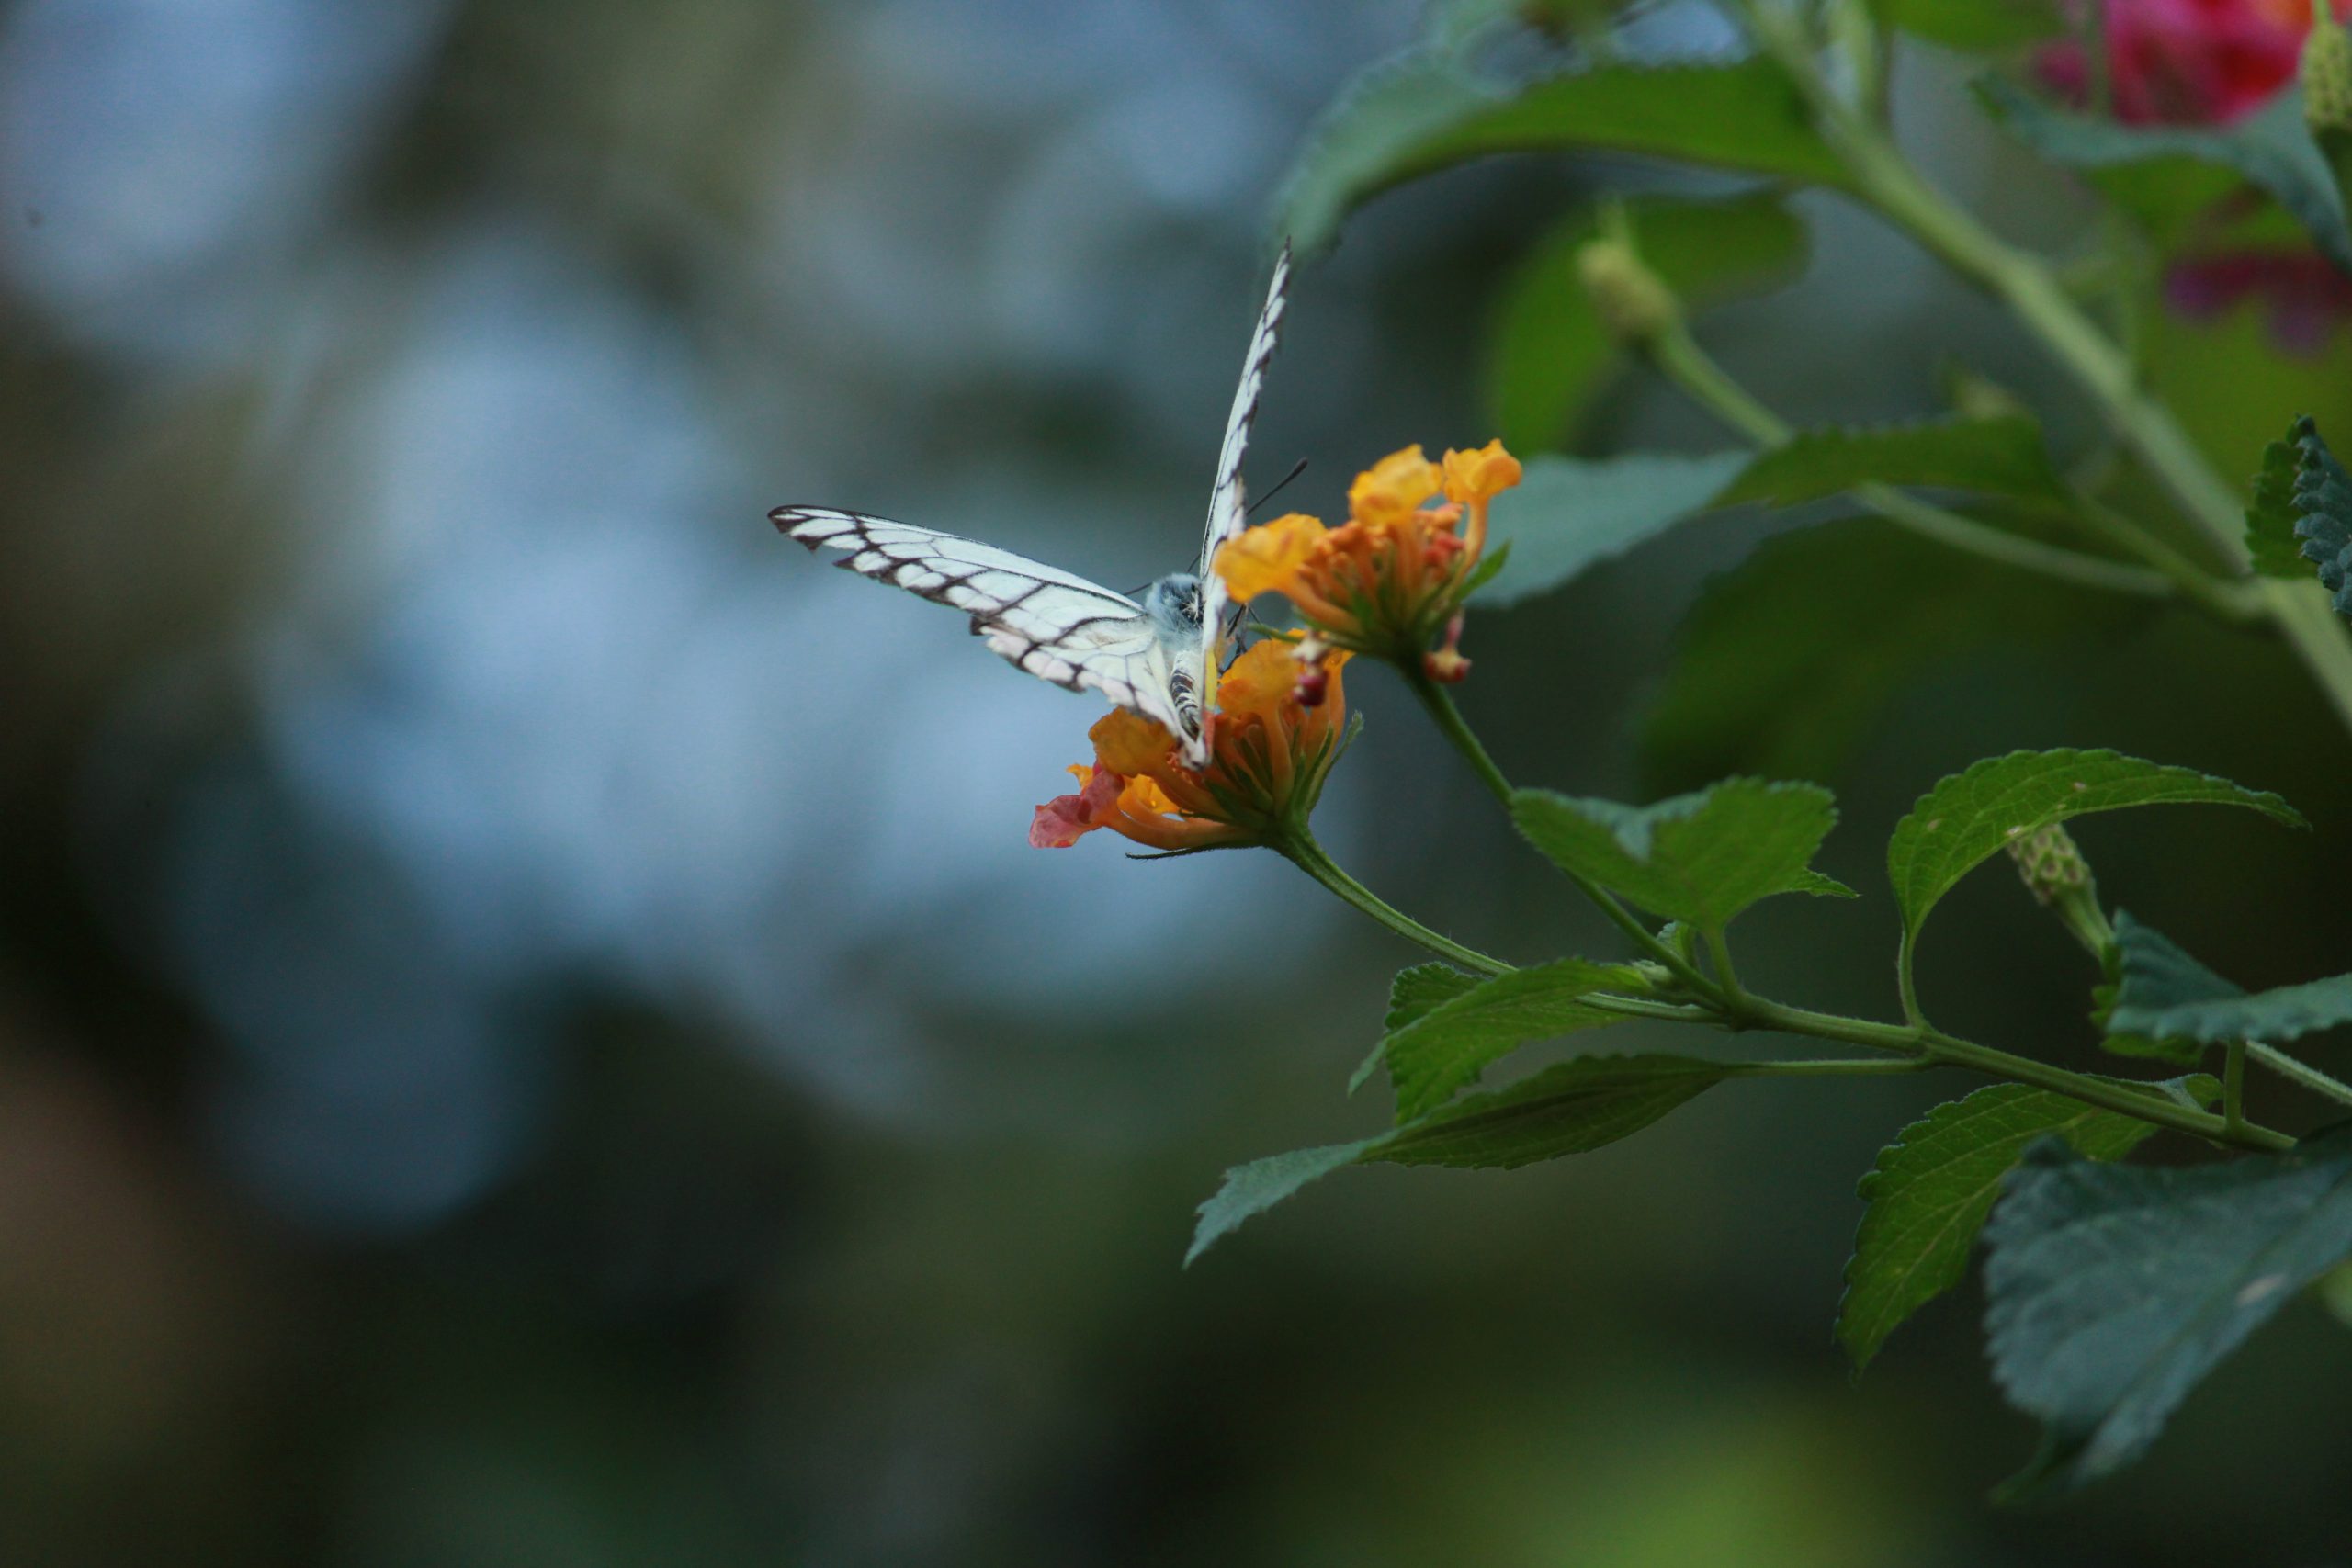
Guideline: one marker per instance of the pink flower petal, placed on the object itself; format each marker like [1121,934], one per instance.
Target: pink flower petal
[1066,819]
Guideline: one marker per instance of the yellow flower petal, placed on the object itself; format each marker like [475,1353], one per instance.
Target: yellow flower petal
[1144,797]
[1128,743]
[1480,475]
[1266,559]
[1393,488]
[1256,684]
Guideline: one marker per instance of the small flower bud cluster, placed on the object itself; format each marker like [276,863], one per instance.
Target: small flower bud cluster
[1632,301]
[2049,863]
[2326,74]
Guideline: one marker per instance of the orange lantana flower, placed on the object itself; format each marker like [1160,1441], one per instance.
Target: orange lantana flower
[1268,755]
[1392,578]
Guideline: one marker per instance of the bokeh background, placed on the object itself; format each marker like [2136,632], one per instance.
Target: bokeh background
[529,1032]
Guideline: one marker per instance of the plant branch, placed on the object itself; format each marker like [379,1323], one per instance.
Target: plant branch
[1448,718]
[1439,705]
[2226,599]
[2234,1087]
[1719,952]
[1917,1046]
[1303,851]
[2297,1071]
[1679,356]
[2106,1093]
[2303,617]
[1834,1066]
[1666,1012]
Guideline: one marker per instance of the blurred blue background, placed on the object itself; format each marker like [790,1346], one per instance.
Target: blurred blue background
[530,1031]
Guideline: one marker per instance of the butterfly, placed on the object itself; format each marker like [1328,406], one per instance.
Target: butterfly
[1157,656]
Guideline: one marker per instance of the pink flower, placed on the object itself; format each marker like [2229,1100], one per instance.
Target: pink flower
[2209,62]
[2187,62]
[2306,295]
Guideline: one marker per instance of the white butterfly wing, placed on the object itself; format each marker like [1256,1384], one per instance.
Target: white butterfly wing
[1228,515]
[1055,625]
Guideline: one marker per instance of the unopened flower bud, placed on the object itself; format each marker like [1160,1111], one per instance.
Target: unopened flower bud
[1632,301]
[2326,75]
[2049,863]
[1444,663]
[1314,681]
[2060,879]
[1973,396]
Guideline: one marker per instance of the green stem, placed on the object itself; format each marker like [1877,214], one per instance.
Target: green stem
[2106,1093]
[1668,1012]
[1719,951]
[1677,354]
[1833,1067]
[2300,1073]
[2226,599]
[1303,851]
[1448,718]
[1456,729]
[2234,1087]
[1950,528]
[2305,617]
[1906,983]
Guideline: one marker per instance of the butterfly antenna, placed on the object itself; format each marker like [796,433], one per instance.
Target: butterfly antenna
[1295,469]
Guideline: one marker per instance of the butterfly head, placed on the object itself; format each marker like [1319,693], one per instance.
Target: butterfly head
[1174,605]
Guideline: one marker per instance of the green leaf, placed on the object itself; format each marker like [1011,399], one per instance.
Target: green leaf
[2166,994]
[2178,1051]
[1977,26]
[2270,534]
[1375,134]
[1569,514]
[1995,457]
[1431,1056]
[1496,561]
[1252,1189]
[1787,660]
[2114,1290]
[1700,858]
[1568,1109]
[2323,512]
[1424,110]
[1414,993]
[2271,148]
[1973,815]
[1932,1189]
[2334,1291]
[1551,355]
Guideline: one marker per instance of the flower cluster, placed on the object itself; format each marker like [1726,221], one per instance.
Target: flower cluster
[2210,63]
[1392,578]
[2302,293]
[2188,62]
[1270,752]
